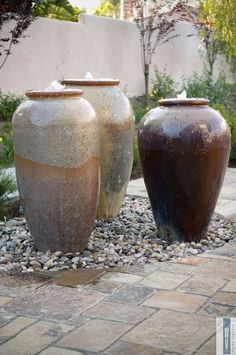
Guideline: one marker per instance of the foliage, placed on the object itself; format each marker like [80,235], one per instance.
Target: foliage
[163,85]
[8,105]
[136,161]
[232,97]
[232,62]
[230,117]
[216,91]
[109,8]
[58,9]
[7,185]
[223,19]
[6,146]
[140,113]
[155,21]
[20,14]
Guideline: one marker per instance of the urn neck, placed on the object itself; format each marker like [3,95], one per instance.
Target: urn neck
[53,94]
[95,82]
[184,102]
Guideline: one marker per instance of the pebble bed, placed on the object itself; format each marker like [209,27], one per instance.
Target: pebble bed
[129,239]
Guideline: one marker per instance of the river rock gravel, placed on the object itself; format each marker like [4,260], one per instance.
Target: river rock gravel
[129,239]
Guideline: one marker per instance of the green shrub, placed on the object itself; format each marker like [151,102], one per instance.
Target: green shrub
[7,186]
[6,146]
[58,9]
[232,98]
[163,86]
[140,113]
[203,86]
[8,105]
[230,117]
[136,162]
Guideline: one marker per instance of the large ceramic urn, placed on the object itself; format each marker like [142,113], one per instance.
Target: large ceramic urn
[116,123]
[184,149]
[56,143]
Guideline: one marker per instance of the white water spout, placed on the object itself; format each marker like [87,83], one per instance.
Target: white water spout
[55,86]
[182,95]
[88,76]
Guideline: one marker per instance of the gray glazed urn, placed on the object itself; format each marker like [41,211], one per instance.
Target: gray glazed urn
[116,124]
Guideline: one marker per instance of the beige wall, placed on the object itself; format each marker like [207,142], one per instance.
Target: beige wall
[105,47]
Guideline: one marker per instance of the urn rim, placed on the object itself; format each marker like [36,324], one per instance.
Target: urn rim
[184,102]
[41,94]
[93,82]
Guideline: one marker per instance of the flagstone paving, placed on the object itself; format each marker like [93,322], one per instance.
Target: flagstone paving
[162,308]
[155,309]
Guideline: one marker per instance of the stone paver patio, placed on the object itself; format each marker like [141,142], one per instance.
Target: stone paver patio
[161,308]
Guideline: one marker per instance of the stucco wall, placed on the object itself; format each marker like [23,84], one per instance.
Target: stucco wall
[105,47]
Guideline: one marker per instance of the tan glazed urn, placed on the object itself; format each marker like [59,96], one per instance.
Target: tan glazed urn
[116,124]
[56,143]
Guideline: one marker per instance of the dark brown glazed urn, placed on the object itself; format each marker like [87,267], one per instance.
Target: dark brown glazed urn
[184,148]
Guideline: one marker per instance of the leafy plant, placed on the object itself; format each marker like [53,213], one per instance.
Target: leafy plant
[58,9]
[6,146]
[223,14]
[163,85]
[230,117]
[140,113]
[8,105]
[109,8]
[217,91]
[7,154]
[7,186]
[136,162]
